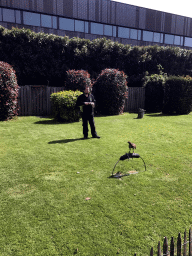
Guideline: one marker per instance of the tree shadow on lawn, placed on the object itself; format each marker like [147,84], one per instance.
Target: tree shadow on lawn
[64,141]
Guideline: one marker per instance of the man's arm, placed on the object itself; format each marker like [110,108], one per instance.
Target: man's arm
[80,101]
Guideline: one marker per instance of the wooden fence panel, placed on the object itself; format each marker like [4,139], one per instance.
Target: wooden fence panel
[35,100]
[136,99]
[190,243]
[165,246]
[172,246]
[174,250]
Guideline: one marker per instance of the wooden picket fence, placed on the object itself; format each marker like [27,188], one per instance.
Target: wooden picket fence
[136,99]
[34,100]
[177,248]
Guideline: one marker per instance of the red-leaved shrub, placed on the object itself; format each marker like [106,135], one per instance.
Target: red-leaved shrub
[9,90]
[77,80]
[110,90]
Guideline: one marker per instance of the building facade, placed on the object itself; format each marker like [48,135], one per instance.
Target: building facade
[91,19]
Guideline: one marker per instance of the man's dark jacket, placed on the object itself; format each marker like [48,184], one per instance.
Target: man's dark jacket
[86,109]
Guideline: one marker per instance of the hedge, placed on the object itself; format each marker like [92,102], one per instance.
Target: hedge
[40,58]
[154,92]
[178,95]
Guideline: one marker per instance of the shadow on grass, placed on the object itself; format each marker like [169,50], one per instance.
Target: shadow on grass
[160,114]
[51,121]
[48,122]
[64,141]
[155,114]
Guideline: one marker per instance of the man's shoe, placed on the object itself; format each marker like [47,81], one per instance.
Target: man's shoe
[96,136]
[85,137]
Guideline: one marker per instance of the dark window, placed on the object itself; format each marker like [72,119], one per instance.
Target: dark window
[169,39]
[139,34]
[32,19]
[161,41]
[18,17]
[114,31]
[8,15]
[123,32]
[0,14]
[157,37]
[188,41]
[108,30]
[46,21]
[79,26]
[178,40]
[147,36]
[133,33]
[55,22]
[96,28]
[86,27]
[181,40]
[66,24]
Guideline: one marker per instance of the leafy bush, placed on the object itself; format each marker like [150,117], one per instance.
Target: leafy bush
[63,106]
[110,90]
[77,80]
[154,92]
[40,58]
[9,90]
[178,95]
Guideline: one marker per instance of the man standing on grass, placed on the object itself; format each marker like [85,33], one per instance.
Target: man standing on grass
[86,102]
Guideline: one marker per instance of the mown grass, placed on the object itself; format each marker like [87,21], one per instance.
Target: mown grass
[47,172]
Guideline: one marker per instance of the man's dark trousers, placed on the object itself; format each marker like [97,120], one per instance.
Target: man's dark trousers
[90,119]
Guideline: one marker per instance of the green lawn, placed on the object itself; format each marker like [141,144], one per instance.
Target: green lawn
[47,171]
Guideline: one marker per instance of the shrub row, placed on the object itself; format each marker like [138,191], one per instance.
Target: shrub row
[154,92]
[178,96]
[170,95]
[110,91]
[40,58]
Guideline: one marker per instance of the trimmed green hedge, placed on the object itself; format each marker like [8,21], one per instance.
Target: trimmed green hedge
[154,92]
[178,95]
[40,58]
[63,106]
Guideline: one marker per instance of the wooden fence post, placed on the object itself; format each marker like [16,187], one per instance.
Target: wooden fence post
[190,243]
[159,249]
[165,246]
[185,244]
[172,247]
[179,245]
